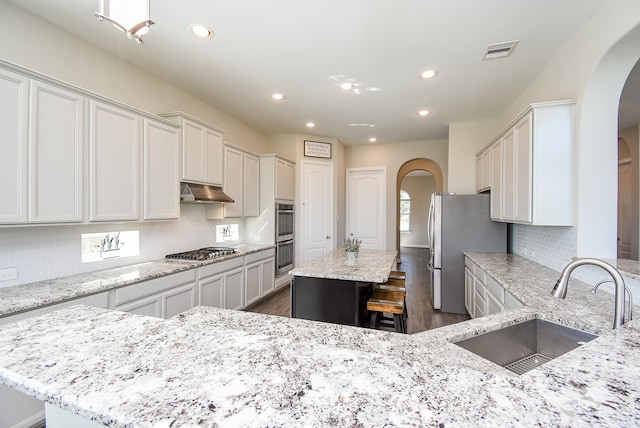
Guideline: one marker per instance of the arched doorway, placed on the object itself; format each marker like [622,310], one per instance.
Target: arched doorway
[409,166]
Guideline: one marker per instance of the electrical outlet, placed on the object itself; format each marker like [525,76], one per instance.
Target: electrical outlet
[8,274]
[533,253]
[257,238]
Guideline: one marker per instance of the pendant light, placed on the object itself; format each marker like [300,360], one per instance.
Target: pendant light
[130,16]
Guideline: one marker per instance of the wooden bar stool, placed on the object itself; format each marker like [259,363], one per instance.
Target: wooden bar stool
[396,274]
[388,301]
[393,285]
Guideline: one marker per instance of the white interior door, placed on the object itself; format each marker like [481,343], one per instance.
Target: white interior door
[366,206]
[317,210]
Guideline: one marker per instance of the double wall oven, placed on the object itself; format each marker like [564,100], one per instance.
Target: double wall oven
[284,238]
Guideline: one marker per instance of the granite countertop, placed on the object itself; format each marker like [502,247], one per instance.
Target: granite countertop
[371,266]
[215,367]
[31,296]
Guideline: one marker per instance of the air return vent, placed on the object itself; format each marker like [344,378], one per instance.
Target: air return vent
[499,50]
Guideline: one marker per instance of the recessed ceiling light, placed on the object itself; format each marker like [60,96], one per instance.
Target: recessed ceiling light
[424,113]
[347,86]
[428,74]
[201,31]
[310,124]
[278,96]
[373,139]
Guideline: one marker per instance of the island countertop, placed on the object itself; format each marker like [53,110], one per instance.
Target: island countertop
[213,367]
[371,266]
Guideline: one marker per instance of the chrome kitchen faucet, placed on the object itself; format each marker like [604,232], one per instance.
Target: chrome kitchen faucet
[560,289]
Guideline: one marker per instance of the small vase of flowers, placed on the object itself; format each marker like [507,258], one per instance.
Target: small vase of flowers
[351,248]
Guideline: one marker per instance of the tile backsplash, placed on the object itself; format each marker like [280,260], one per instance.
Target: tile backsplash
[44,252]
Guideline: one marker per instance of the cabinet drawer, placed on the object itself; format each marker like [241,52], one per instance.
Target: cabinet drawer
[470,265]
[216,268]
[260,255]
[153,286]
[495,289]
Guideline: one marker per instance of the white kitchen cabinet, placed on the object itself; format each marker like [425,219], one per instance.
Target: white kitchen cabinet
[241,182]
[483,170]
[259,275]
[14,127]
[114,163]
[483,294]
[533,167]
[285,179]
[202,155]
[222,284]
[162,297]
[161,171]
[56,142]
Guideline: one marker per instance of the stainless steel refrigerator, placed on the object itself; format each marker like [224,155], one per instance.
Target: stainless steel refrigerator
[458,223]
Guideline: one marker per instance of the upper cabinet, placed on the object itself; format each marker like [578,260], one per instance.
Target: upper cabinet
[532,167]
[161,171]
[241,182]
[14,115]
[56,142]
[114,165]
[202,156]
[285,179]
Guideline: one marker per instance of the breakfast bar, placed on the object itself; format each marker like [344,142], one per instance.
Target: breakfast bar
[333,289]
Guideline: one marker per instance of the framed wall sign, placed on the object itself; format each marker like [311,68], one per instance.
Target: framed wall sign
[316,149]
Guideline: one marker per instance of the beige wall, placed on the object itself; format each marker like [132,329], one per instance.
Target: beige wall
[631,137]
[393,156]
[420,188]
[52,51]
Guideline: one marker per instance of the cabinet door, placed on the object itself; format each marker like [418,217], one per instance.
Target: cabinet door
[251,186]
[179,300]
[496,180]
[478,174]
[211,292]
[14,125]
[268,276]
[469,291]
[161,171]
[234,182]
[233,289]
[522,176]
[114,163]
[253,276]
[285,180]
[508,179]
[56,135]
[193,165]
[213,157]
[150,306]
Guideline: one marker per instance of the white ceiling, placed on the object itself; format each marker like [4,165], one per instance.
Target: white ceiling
[304,49]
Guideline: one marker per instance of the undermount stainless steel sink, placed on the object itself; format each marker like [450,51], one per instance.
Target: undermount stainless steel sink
[527,345]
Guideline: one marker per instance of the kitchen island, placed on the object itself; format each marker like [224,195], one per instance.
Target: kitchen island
[214,367]
[333,289]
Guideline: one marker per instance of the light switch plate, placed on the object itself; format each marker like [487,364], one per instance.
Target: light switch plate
[8,274]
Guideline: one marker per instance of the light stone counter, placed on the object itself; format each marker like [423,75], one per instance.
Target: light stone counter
[212,367]
[371,266]
[39,294]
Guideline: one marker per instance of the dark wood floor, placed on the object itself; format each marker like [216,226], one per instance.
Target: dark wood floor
[421,315]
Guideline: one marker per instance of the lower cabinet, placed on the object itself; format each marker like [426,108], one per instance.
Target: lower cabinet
[260,275]
[221,285]
[483,294]
[162,297]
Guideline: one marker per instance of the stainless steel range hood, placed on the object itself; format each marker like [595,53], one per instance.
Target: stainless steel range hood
[202,194]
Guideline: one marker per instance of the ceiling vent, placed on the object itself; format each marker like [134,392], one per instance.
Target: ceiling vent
[499,50]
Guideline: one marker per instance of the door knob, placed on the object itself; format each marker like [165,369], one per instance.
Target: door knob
[327,237]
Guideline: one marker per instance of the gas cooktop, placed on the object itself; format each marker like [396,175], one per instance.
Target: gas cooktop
[207,253]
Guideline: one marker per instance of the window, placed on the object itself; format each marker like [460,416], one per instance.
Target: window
[405,211]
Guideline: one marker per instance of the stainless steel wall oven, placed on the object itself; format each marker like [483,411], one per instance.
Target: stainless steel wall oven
[284,238]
